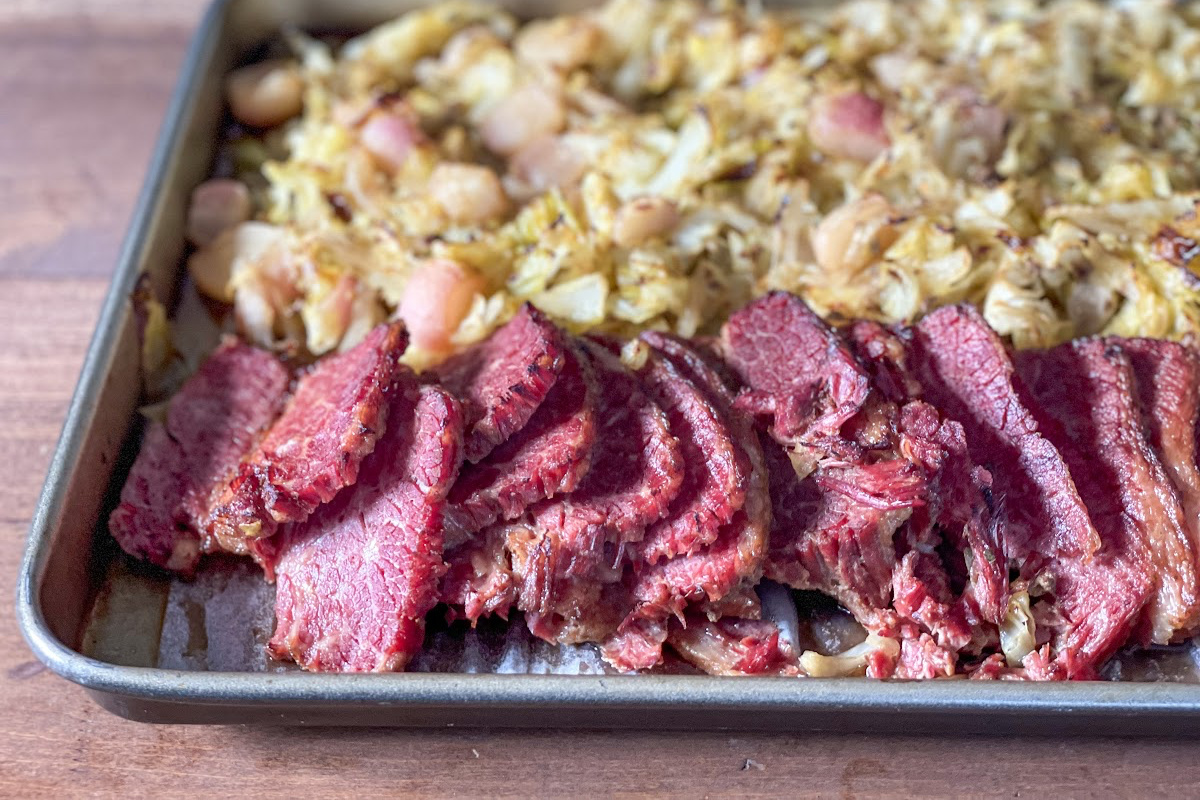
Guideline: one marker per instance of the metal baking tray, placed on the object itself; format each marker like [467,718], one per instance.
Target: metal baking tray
[69,556]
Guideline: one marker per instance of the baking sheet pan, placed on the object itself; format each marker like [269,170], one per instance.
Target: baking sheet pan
[136,643]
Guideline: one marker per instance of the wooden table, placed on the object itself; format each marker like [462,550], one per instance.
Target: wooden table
[83,84]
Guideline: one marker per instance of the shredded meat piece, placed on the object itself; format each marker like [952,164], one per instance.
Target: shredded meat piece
[734,647]
[957,516]
[479,581]
[834,532]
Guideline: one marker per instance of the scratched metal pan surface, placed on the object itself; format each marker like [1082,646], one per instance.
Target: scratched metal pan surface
[70,561]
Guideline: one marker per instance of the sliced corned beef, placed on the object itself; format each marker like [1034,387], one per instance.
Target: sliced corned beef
[315,447]
[502,380]
[547,457]
[635,474]
[1168,382]
[1087,389]
[714,579]
[966,372]
[714,478]
[798,374]
[150,522]
[212,422]
[355,580]
[956,517]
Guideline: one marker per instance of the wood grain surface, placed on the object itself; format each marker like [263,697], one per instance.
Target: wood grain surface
[83,84]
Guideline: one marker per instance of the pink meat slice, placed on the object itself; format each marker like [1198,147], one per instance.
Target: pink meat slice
[355,581]
[966,371]
[798,373]
[505,378]
[636,472]
[1087,388]
[212,422]
[699,362]
[1168,383]
[314,449]
[547,457]
[714,474]
[150,522]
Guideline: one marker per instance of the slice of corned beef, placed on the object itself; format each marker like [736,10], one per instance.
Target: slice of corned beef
[714,478]
[966,372]
[503,379]
[547,457]
[1168,382]
[315,447]
[1087,389]
[699,364]
[715,580]
[150,522]
[355,580]
[734,646]
[702,350]
[798,374]
[635,474]
[212,422]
